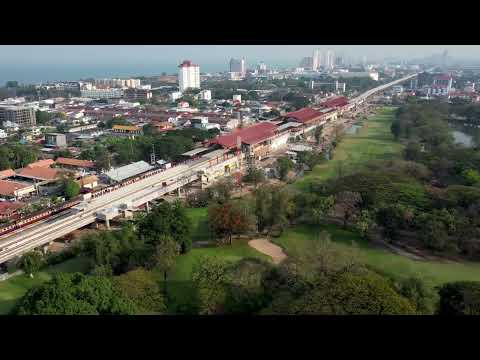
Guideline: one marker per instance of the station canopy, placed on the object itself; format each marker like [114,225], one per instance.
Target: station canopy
[124,172]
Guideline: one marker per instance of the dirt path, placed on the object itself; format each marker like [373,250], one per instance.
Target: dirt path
[268,248]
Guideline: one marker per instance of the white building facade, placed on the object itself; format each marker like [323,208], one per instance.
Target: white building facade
[188,76]
[205,95]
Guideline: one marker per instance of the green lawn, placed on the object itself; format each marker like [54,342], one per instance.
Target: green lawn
[14,288]
[373,141]
[434,273]
[200,231]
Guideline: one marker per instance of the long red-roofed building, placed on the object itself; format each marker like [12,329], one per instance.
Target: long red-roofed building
[259,139]
[336,102]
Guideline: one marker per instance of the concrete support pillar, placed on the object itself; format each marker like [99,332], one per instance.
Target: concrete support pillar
[147,207]
[108,223]
[178,192]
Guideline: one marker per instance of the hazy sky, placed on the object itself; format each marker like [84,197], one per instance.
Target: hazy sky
[22,55]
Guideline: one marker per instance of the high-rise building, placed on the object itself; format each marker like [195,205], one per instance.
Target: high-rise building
[238,66]
[262,68]
[188,76]
[23,116]
[444,58]
[330,59]
[307,63]
[315,60]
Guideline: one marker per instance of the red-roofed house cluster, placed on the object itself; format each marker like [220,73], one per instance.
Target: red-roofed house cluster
[23,183]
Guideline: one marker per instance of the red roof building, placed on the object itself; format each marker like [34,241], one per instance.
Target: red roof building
[69,162]
[15,189]
[251,135]
[39,173]
[41,164]
[305,115]
[336,102]
[7,173]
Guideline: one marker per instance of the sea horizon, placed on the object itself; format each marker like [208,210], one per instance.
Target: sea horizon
[36,74]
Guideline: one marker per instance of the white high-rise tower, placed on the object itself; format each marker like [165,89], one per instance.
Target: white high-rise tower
[188,76]
[316,60]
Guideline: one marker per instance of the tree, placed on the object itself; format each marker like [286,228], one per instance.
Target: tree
[471,176]
[246,291]
[141,287]
[222,190]
[119,251]
[274,207]
[419,294]
[254,176]
[318,134]
[413,151]
[209,274]
[167,219]
[165,256]
[351,293]
[459,298]
[365,222]
[326,279]
[310,158]
[70,188]
[227,219]
[31,262]
[75,294]
[284,165]
[347,203]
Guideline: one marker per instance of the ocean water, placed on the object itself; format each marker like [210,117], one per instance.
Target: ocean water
[35,74]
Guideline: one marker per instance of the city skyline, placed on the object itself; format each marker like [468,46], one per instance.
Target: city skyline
[18,55]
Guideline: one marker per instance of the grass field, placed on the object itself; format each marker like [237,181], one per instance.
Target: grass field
[14,288]
[434,273]
[200,231]
[373,141]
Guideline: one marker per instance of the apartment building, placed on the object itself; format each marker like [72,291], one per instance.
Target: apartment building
[23,116]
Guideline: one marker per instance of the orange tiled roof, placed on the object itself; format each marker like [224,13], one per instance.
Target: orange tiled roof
[9,187]
[75,162]
[40,173]
[7,173]
[41,163]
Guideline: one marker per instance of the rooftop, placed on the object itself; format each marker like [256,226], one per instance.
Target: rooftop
[126,127]
[75,162]
[335,102]
[304,115]
[41,163]
[127,171]
[8,188]
[187,63]
[39,173]
[250,135]
[7,173]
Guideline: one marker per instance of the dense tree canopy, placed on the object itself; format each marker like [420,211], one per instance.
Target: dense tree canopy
[167,219]
[75,294]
